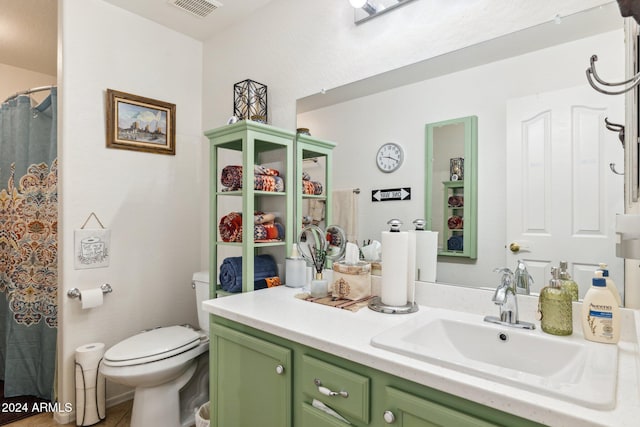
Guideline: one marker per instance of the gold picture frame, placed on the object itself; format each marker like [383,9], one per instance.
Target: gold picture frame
[140,124]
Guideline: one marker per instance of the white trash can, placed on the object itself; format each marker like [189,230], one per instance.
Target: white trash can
[203,416]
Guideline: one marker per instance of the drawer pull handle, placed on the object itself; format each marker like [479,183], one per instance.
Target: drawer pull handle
[389,417]
[279,369]
[327,392]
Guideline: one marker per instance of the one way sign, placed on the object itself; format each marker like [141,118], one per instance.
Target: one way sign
[391,194]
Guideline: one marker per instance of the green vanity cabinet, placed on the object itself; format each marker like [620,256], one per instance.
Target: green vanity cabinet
[248,388]
[406,410]
[253,380]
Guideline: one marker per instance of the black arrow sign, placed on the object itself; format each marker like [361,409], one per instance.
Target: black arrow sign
[391,194]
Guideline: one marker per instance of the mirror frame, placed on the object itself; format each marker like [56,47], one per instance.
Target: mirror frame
[470,192]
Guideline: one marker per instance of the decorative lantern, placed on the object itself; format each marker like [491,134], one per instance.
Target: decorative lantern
[456,169]
[250,101]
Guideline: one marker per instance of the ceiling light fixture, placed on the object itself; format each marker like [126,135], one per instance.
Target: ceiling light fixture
[367,9]
[364,5]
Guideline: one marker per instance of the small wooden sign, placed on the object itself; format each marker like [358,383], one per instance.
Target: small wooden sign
[388,194]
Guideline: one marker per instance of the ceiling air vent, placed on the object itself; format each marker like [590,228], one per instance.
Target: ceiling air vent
[200,8]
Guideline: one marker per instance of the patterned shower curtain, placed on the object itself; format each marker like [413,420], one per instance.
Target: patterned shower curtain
[28,246]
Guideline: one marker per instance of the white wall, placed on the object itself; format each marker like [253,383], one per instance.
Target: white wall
[14,79]
[400,115]
[298,47]
[149,201]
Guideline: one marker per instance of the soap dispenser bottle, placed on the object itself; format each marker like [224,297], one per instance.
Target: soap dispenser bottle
[600,314]
[567,283]
[295,269]
[610,283]
[555,307]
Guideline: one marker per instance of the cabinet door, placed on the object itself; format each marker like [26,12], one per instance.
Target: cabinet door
[251,380]
[406,410]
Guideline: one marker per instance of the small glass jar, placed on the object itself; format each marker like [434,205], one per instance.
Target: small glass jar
[319,287]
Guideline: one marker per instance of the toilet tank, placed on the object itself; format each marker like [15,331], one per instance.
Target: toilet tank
[201,284]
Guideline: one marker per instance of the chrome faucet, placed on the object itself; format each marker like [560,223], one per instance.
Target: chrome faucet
[505,297]
[522,278]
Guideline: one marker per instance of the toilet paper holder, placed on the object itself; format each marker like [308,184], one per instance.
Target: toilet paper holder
[75,292]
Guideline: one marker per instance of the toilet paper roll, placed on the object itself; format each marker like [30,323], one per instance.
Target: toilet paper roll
[90,384]
[426,255]
[89,355]
[395,252]
[91,298]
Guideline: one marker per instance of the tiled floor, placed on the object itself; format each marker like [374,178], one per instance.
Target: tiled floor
[117,416]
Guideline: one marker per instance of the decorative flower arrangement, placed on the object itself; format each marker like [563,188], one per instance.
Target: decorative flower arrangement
[318,258]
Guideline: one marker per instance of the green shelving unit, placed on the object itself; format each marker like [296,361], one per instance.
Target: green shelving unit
[320,151]
[255,143]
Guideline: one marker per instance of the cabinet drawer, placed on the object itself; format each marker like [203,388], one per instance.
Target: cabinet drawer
[312,417]
[351,398]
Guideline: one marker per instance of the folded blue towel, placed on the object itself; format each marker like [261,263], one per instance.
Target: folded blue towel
[455,243]
[264,266]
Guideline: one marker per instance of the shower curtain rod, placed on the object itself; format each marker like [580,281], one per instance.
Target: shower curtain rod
[28,91]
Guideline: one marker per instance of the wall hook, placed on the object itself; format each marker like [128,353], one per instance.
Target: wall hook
[615,128]
[612,166]
[593,75]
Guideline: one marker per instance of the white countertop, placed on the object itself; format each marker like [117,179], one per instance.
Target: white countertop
[347,334]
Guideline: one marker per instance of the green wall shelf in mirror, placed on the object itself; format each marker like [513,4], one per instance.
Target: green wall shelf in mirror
[451,185]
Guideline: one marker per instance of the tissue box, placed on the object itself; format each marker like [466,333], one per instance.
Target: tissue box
[351,281]
[376,268]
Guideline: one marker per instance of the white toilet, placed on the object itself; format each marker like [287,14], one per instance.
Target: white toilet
[167,366]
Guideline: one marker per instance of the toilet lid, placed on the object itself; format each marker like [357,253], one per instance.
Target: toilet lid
[152,345]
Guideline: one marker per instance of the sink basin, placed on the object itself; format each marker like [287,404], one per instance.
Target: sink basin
[569,368]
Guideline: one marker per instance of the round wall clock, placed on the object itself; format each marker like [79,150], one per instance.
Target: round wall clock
[389,157]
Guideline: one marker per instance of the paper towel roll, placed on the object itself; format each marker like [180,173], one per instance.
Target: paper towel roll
[411,267]
[426,255]
[91,298]
[395,252]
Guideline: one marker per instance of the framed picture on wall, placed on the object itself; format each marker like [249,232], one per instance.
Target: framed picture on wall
[140,124]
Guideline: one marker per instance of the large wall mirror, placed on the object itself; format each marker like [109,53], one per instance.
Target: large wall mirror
[543,156]
[451,185]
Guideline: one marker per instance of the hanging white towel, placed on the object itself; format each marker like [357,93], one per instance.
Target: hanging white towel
[315,210]
[345,212]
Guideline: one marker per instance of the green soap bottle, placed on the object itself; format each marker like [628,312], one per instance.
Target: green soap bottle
[567,283]
[555,307]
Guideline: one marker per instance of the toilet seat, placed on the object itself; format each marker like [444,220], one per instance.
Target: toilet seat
[151,346]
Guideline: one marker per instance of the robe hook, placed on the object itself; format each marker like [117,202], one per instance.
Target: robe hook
[612,166]
[615,127]
[593,75]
